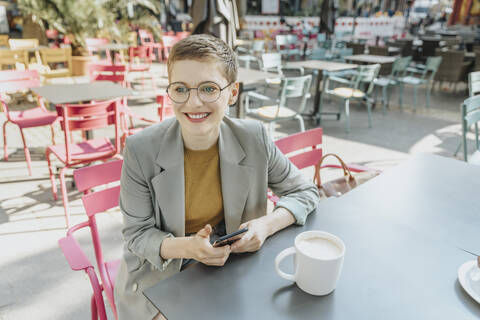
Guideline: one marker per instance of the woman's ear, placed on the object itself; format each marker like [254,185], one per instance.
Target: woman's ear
[233,93]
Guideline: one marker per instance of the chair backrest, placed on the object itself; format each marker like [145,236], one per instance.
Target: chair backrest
[56,55]
[4,40]
[309,142]
[23,43]
[13,59]
[292,39]
[321,37]
[102,72]
[271,60]
[295,87]
[470,115]
[358,48]
[258,46]
[89,116]
[92,45]
[378,50]
[167,43]
[400,65]
[319,54]
[146,37]
[432,64]
[473,83]
[345,52]
[140,54]
[366,74]
[281,41]
[12,80]
[96,202]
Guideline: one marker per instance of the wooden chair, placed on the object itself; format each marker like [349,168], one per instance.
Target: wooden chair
[13,59]
[13,81]
[3,40]
[51,57]
[24,44]
[83,117]
[95,203]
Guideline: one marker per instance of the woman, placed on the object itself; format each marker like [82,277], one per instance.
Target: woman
[197,176]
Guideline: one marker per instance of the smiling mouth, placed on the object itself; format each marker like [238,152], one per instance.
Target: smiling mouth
[197,115]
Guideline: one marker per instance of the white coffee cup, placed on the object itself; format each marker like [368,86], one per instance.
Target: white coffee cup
[318,262]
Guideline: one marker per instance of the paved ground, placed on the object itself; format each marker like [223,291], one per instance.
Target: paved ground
[35,280]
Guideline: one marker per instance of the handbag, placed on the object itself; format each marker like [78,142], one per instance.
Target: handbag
[340,186]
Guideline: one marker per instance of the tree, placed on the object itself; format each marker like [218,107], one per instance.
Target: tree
[93,18]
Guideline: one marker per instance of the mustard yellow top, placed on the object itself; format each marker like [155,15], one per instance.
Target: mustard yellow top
[203,190]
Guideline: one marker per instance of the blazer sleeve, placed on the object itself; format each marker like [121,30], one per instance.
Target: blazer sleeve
[141,235]
[296,193]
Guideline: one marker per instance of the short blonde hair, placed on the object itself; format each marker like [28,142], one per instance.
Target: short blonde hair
[204,47]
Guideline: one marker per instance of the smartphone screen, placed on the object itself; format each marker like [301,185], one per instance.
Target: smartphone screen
[226,240]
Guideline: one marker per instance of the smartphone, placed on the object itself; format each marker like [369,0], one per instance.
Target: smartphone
[227,239]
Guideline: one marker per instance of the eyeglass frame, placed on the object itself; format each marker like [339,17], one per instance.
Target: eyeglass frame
[189,89]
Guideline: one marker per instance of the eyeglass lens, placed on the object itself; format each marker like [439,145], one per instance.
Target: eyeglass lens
[207,92]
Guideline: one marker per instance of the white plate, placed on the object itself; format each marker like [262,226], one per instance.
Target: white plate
[465,274]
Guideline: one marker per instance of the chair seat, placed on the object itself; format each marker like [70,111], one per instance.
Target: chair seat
[90,149]
[411,80]
[139,68]
[32,117]
[270,112]
[383,82]
[247,58]
[348,93]
[275,81]
[112,270]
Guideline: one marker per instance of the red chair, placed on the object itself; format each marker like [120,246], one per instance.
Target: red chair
[168,42]
[13,81]
[92,45]
[182,34]
[141,61]
[94,203]
[147,40]
[309,142]
[83,117]
[165,109]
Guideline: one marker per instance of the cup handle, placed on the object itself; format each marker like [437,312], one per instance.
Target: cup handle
[282,255]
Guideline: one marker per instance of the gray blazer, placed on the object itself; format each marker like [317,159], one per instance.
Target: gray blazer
[152,198]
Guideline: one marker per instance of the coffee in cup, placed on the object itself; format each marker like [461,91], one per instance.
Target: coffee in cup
[318,261]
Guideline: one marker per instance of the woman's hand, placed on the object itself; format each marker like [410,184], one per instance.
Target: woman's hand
[202,250]
[253,239]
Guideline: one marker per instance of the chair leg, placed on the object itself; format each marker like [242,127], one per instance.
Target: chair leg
[52,176]
[347,115]
[53,134]
[400,96]
[415,91]
[5,152]
[384,100]
[300,121]
[369,112]
[27,153]
[429,89]
[63,188]
[93,308]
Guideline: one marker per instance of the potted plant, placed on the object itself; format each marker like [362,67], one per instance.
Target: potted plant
[78,20]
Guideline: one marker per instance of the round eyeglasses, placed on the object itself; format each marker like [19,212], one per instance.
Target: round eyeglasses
[208,92]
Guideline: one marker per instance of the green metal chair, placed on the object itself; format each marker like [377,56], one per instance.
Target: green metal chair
[399,69]
[284,43]
[247,56]
[291,87]
[425,77]
[363,78]
[471,116]
[473,83]
[272,63]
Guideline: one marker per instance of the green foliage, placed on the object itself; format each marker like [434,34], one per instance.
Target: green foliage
[93,18]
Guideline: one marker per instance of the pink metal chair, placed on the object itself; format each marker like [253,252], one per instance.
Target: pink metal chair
[310,143]
[140,61]
[168,42]
[147,40]
[182,34]
[95,202]
[165,109]
[83,117]
[13,81]
[92,45]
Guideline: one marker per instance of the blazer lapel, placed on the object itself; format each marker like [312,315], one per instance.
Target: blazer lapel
[235,178]
[169,184]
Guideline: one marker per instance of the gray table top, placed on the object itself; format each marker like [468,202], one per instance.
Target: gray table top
[401,232]
[368,58]
[250,76]
[112,46]
[73,93]
[323,65]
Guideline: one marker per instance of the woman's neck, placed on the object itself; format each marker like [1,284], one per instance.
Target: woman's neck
[203,142]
